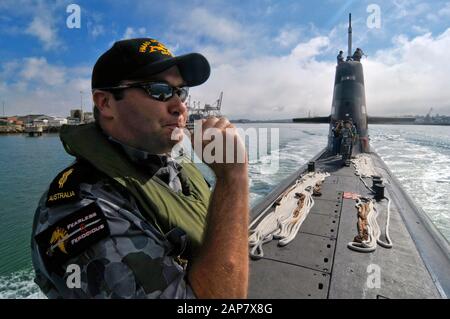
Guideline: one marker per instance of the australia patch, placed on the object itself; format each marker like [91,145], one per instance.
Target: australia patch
[72,235]
[65,188]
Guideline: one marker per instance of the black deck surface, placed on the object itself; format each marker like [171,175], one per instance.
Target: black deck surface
[318,264]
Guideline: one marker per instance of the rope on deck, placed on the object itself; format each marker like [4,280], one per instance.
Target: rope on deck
[284,222]
[364,166]
[369,232]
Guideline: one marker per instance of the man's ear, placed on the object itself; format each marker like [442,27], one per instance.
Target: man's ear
[104,102]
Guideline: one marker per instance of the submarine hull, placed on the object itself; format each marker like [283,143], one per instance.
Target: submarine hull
[318,264]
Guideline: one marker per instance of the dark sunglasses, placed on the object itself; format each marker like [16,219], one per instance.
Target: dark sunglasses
[160,91]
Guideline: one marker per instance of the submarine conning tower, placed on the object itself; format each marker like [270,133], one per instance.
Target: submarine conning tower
[349,98]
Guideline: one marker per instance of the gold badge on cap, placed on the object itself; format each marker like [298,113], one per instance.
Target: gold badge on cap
[154,46]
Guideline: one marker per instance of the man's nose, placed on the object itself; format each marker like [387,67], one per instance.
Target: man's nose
[176,106]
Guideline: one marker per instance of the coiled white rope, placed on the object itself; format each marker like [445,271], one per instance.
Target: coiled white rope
[388,242]
[365,168]
[373,230]
[284,222]
[363,165]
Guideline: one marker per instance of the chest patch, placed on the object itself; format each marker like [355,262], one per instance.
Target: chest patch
[72,235]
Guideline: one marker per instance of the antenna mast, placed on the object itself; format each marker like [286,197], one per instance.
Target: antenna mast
[349,34]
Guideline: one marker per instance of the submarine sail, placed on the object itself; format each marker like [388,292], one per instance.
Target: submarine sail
[349,98]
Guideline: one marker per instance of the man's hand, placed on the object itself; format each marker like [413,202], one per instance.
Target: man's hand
[229,157]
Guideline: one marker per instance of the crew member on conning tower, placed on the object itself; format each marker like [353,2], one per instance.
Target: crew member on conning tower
[340,57]
[358,55]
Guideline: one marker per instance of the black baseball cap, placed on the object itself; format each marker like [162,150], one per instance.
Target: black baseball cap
[139,58]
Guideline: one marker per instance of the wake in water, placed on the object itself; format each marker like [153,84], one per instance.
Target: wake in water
[420,158]
[20,285]
[292,154]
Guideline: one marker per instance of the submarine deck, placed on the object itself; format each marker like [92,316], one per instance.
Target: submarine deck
[318,264]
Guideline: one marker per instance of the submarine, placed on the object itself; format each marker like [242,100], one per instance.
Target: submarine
[336,230]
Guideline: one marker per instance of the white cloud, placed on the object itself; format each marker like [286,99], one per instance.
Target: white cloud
[272,87]
[201,22]
[43,29]
[41,18]
[441,14]
[220,35]
[258,82]
[40,87]
[96,30]
[415,77]
[288,36]
[410,8]
[445,11]
[417,12]
[9,68]
[407,78]
[37,69]
[271,9]
[95,23]
[304,51]
[419,29]
[131,33]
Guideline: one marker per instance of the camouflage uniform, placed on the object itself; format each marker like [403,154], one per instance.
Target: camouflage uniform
[357,55]
[119,253]
[347,143]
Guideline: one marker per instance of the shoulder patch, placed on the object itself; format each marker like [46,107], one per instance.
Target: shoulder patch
[65,187]
[72,235]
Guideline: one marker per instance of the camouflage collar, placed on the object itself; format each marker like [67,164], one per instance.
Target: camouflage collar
[161,165]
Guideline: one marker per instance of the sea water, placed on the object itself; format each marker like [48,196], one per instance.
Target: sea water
[419,156]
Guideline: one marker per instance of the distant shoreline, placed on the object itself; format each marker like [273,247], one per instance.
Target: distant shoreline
[23,133]
[370,124]
[3,133]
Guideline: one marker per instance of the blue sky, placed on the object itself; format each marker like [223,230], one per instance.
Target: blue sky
[276,57]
